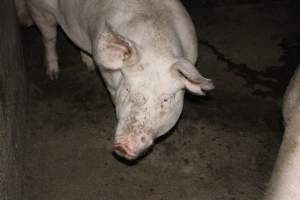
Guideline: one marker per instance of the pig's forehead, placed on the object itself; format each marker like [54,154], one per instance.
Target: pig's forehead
[154,74]
[154,67]
[156,86]
[157,76]
[157,63]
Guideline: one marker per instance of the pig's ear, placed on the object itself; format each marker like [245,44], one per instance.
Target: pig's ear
[113,52]
[192,79]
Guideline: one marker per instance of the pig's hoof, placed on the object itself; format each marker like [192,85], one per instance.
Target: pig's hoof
[88,61]
[53,75]
[91,67]
[53,70]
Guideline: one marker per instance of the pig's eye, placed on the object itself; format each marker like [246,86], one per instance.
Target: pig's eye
[167,98]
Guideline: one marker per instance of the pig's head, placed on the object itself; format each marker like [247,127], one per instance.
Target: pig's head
[148,91]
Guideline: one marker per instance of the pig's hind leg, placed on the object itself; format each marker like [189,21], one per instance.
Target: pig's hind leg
[47,24]
[88,61]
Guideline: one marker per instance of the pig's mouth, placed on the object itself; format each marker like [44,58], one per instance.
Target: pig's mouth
[124,151]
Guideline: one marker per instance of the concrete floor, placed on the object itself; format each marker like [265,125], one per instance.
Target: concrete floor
[224,146]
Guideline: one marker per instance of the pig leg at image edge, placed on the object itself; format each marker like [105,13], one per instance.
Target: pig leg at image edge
[88,61]
[47,25]
[285,181]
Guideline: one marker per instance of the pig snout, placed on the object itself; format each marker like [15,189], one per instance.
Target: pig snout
[124,151]
[132,147]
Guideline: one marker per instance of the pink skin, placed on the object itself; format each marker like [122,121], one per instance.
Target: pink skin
[124,151]
[131,146]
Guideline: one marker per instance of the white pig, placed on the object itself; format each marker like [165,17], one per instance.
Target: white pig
[285,181]
[145,51]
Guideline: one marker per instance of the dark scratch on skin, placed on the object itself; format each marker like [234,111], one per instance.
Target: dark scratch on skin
[138,100]
[134,126]
[162,112]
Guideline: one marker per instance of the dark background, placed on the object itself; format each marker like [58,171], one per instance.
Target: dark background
[13,103]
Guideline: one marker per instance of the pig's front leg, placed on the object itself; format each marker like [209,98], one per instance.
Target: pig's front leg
[285,182]
[88,61]
[47,25]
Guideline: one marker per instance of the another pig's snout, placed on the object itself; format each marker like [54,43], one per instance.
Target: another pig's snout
[131,147]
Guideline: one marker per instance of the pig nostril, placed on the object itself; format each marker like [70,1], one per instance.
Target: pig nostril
[123,150]
[143,139]
[119,148]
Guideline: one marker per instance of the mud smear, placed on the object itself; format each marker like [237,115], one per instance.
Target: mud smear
[273,78]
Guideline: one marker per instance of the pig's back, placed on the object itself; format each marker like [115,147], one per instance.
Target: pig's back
[165,24]
[83,20]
